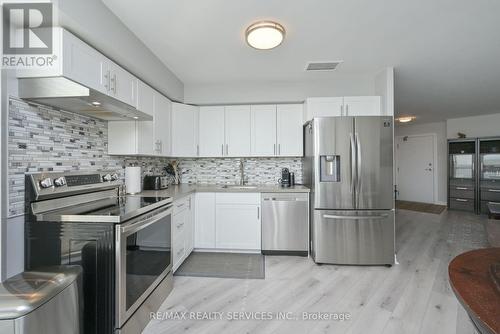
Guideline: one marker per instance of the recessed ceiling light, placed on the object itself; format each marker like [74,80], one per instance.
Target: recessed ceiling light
[265,35]
[406,119]
[96,103]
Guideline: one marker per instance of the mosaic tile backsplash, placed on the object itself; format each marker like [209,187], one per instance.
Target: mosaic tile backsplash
[45,139]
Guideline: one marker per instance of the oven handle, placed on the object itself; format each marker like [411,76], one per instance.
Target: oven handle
[134,227]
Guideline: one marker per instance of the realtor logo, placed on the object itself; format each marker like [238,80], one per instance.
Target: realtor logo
[27,28]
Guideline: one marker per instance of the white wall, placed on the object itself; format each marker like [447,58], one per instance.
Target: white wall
[276,92]
[94,23]
[439,129]
[475,126]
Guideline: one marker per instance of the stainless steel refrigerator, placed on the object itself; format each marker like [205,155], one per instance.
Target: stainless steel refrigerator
[349,167]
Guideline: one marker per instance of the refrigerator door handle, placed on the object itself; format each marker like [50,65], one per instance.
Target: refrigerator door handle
[383,216]
[352,154]
[358,165]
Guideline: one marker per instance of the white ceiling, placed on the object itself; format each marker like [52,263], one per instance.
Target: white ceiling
[446,53]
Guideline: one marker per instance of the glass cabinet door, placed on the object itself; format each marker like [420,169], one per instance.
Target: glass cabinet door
[490,159]
[462,166]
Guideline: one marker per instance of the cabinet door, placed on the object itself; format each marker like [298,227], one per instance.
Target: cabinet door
[145,98]
[289,130]
[189,230]
[184,130]
[238,226]
[83,64]
[145,137]
[162,125]
[263,130]
[178,239]
[237,131]
[362,106]
[204,221]
[211,133]
[122,138]
[324,107]
[123,85]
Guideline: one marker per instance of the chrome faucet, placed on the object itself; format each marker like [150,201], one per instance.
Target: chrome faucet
[242,172]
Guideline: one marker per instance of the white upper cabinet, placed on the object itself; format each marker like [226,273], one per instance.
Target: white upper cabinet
[184,130]
[83,64]
[263,130]
[145,98]
[211,132]
[162,126]
[237,131]
[362,106]
[323,107]
[289,130]
[122,84]
[122,138]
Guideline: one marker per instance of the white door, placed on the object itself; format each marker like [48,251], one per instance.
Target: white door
[263,130]
[237,226]
[204,220]
[289,130]
[162,125]
[122,138]
[211,131]
[237,131]
[415,168]
[189,229]
[362,106]
[184,130]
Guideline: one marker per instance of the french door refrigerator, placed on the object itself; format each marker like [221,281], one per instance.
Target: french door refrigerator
[349,167]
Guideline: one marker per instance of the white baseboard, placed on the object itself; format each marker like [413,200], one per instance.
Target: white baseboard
[213,250]
[440,203]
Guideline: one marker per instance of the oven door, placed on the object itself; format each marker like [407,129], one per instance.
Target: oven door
[143,259]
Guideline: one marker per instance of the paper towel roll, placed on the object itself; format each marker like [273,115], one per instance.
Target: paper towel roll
[133,180]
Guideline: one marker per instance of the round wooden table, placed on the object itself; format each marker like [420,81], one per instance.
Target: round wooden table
[475,279]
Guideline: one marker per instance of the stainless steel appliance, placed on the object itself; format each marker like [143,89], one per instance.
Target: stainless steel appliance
[123,244]
[349,168]
[47,300]
[155,182]
[285,223]
[462,190]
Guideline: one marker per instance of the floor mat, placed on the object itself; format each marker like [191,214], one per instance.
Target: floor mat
[420,207]
[223,265]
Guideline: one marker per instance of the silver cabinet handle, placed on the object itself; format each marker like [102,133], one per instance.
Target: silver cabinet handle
[197,150]
[355,217]
[227,149]
[107,76]
[461,188]
[113,81]
[461,200]
[180,205]
[274,149]
[341,110]
[279,149]
[180,225]
[222,149]
[494,190]
[347,110]
[258,212]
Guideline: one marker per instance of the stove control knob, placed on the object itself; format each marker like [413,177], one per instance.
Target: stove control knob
[46,183]
[60,181]
[107,177]
[114,177]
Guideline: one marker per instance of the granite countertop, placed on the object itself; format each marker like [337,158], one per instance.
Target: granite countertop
[182,190]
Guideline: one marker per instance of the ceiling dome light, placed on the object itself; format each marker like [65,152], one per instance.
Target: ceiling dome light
[406,119]
[265,35]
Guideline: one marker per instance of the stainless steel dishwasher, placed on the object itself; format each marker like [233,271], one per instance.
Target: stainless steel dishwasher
[285,223]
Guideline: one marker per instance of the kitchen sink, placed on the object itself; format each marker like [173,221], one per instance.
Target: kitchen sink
[239,187]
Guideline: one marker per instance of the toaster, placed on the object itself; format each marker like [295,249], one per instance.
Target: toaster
[155,182]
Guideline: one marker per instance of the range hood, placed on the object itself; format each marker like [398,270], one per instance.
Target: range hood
[65,94]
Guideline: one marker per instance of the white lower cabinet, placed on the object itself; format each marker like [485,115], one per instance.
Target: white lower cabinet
[228,221]
[182,230]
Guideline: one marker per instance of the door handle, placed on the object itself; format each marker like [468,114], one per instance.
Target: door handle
[358,165]
[461,188]
[494,190]
[384,216]
[461,200]
[352,153]
[107,76]
[113,81]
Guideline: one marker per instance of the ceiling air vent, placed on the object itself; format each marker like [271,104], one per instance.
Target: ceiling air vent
[322,66]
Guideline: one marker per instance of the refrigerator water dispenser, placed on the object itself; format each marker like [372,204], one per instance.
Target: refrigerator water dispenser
[329,168]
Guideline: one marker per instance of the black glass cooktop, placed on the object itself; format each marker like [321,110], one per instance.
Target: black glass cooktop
[111,209]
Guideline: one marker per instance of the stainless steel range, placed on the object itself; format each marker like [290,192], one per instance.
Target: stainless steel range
[123,244]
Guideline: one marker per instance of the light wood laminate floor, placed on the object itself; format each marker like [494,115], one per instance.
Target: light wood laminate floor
[411,297]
